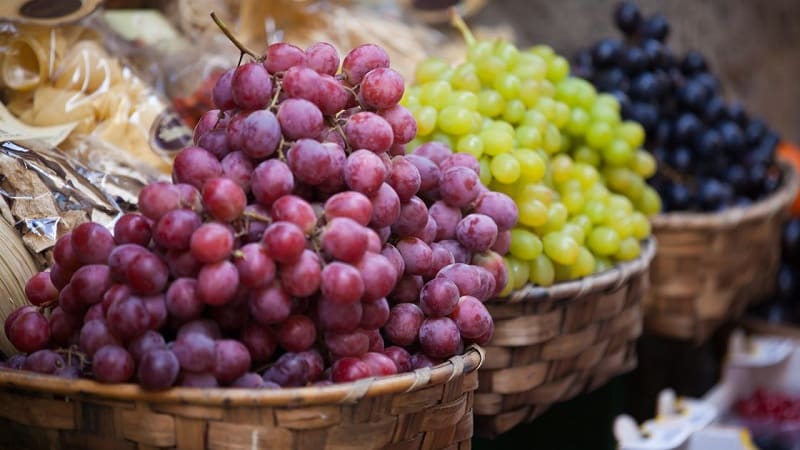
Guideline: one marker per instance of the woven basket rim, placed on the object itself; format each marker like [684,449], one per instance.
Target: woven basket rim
[731,217]
[611,280]
[339,393]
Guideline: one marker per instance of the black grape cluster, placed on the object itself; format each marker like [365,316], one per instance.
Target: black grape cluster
[785,306]
[711,154]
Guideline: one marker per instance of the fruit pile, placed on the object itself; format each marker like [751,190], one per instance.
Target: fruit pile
[773,418]
[711,154]
[550,142]
[784,307]
[289,250]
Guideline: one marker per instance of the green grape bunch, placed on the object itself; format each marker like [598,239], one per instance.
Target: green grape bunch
[553,144]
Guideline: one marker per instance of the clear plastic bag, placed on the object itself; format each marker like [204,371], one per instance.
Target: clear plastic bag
[64,75]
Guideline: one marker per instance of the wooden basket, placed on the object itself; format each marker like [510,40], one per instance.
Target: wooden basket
[710,267]
[551,344]
[426,409]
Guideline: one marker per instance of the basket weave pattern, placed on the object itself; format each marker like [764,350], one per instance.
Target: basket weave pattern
[710,267]
[426,409]
[551,344]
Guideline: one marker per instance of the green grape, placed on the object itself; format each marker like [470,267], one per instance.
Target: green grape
[578,122]
[491,103]
[518,271]
[621,223]
[538,192]
[480,50]
[455,120]
[470,143]
[561,168]
[585,174]
[583,221]
[529,92]
[574,231]
[544,51]
[426,120]
[566,143]
[436,94]
[571,184]
[619,203]
[430,70]
[504,188]
[552,139]
[568,91]
[489,68]
[532,65]
[464,78]
[596,211]
[640,226]
[507,289]
[573,201]
[464,99]
[410,99]
[561,115]
[587,94]
[546,106]
[632,133]
[496,142]
[528,136]
[501,125]
[649,203]
[532,167]
[535,119]
[477,121]
[557,69]
[508,52]
[542,271]
[603,241]
[597,192]
[524,244]
[443,138]
[599,134]
[532,213]
[628,249]
[563,272]
[643,164]
[584,265]
[619,179]
[508,85]
[486,170]
[602,264]
[514,112]
[556,218]
[587,155]
[505,168]
[607,100]
[547,89]
[617,152]
[603,113]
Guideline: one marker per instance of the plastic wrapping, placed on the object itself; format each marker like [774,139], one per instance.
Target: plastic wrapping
[64,75]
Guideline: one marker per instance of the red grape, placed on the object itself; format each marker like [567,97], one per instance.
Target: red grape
[391,253]
[216,142]
[132,228]
[211,242]
[194,166]
[342,283]
[70,302]
[354,343]
[379,364]
[92,243]
[472,318]
[197,380]
[302,277]
[434,151]
[112,364]
[271,180]
[460,160]
[439,337]
[379,275]
[403,325]
[429,173]
[339,318]
[255,267]
[260,342]
[232,360]
[224,199]
[174,230]
[221,94]
[250,380]
[156,306]
[385,207]
[40,290]
[323,58]
[361,60]
[64,255]
[494,263]
[459,186]
[128,318]
[291,208]
[270,305]
[181,263]
[62,325]
[149,341]
[407,289]
[503,242]
[89,283]
[284,241]
[421,360]
[257,133]
[438,297]
[404,178]
[203,326]
[281,56]
[500,207]
[353,205]
[382,88]
[297,333]
[217,283]
[369,131]
[158,369]
[349,369]
[460,254]
[236,166]
[400,357]
[29,332]
[290,370]
[375,314]
[299,118]
[417,255]
[251,86]
[476,232]
[195,352]
[344,239]
[404,126]
[147,274]
[44,361]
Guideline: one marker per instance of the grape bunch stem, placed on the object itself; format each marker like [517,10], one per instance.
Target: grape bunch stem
[225,30]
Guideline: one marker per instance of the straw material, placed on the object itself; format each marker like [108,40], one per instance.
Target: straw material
[16,266]
[553,343]
[427,409]
[710,267]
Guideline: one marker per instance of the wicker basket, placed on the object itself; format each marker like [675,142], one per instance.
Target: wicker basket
[710,267]
[551,344]
[425,409]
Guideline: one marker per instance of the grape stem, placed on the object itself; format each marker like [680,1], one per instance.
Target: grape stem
[274,101]
[227,32]
[458,22]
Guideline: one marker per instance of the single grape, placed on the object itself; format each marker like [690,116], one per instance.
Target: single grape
[404,178]
[251,86]
[94,312]
[292,208]
[92,243]
[121,258]
[379,364]
[385,207]
[181,263]
[197,380]
[260,342]
[299,118]
[459,186]
[471,317]
[338,318]
[174,230]
[364,172]
[302,277]
[350,204]
[224,199]
[255,268]
[280,56]
[43,361]
[499,207]
[90,282]
[255,133]
[149,341]
[284,242]
[195,352]
[290,370]
[403,124]
[476,232]
[147,274]
[62,325]
[375,314]
[438,297]
[158,370]
[216,142]
[439,337]
[221,94]
[417,255]
[297,333]
[403,325]
[379,275]
[237,167]
[64,255]
[429,172]
[361,60]
[391,253]
[271,180]
[112,364]
[59,276]
[249,380]
[128,318]
[413,218]
[132,228]
[349,369]
[39,289]
[503,242]
[494,263]
[407,289]
[369,131]
[29,331]
[232,360]
[342,283]
[211,242]
[217,283]
[194,166]
[270,305]
[344,239]
[323,58]
[381,88]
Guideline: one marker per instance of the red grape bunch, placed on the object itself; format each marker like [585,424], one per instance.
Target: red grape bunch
[297,244]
